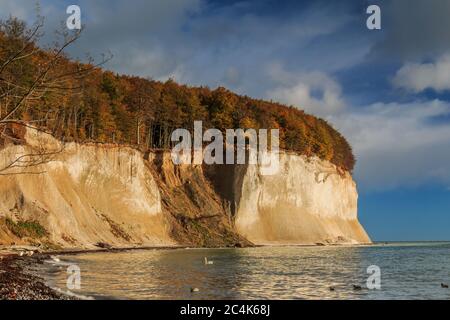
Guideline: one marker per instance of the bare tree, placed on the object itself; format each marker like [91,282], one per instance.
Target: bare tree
[28,74]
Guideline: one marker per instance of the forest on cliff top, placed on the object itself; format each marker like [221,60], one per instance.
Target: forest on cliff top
[83,102]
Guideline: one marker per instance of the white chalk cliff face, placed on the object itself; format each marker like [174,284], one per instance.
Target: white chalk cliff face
[83,194]
[308,201]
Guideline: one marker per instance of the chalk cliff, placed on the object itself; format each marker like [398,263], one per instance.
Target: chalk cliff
[308,201]
[80,194]
[84,195]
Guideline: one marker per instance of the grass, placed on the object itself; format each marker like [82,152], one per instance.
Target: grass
[24,229]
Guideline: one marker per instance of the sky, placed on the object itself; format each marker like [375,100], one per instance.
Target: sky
[387,91]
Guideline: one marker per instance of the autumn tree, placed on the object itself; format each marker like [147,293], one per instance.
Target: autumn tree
[33,83]
[81,101]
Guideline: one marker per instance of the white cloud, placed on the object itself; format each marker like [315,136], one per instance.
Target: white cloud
[398,144]
[315,92]
[202,42]
[418,77]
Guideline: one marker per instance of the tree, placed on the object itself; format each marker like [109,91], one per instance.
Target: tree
[28,77]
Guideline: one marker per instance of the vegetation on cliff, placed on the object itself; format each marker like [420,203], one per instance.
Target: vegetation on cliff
[81,101]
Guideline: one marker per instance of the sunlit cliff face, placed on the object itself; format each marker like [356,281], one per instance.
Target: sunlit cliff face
[307,202]
[91,193]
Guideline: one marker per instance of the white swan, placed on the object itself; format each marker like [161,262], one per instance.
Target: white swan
[208,262]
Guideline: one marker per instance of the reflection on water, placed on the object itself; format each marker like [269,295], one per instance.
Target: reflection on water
[408,271]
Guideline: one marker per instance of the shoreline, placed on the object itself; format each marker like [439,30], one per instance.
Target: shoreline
[18,284]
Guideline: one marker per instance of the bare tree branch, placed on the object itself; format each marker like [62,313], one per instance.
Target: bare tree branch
[18,93]
[40,77]
[27,43]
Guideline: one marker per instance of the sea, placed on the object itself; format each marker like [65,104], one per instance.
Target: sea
[388,270]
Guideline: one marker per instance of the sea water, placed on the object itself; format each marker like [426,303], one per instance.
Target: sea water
[407,271]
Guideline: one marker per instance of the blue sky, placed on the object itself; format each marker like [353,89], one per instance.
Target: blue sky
[387,90]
